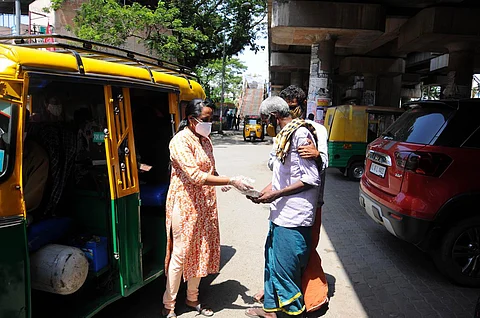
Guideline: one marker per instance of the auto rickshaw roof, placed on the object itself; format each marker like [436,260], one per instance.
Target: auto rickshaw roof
[74,56]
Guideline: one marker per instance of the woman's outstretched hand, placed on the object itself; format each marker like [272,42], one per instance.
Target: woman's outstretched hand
[240,183]
[226,188]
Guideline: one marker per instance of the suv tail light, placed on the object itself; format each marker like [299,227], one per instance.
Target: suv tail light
[426,163]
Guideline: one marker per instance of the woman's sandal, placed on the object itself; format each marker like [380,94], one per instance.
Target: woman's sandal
[202,311]
[168,315]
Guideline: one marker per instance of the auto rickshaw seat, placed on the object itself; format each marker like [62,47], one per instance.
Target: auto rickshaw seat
[47,231]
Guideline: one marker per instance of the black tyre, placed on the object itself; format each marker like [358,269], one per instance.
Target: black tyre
[458,256]
[356,170]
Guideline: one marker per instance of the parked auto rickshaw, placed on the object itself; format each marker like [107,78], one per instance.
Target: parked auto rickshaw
[350,128]
[99,232]
[253,128]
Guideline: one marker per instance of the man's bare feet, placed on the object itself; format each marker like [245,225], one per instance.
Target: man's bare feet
[259,312]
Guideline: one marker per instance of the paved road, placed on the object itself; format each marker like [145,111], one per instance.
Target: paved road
[370,272]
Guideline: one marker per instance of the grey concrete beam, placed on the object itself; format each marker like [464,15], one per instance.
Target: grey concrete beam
[278,47]
[289,61]
[369,65]
[411,79]
[308,22]
[392,30]
[432,29]
[435,80]
[280,78]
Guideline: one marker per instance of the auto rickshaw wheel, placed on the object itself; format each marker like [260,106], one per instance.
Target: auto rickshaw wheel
[356,170]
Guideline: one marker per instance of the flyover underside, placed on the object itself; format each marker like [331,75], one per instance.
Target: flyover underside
[386,49]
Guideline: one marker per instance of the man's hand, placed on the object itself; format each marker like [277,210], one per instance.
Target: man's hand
[308,151]
[267,196]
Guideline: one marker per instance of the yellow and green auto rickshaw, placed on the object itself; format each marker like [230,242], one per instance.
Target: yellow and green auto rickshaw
[98,132]
[253,128]
[350,129]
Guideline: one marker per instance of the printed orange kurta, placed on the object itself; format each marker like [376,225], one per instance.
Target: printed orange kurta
[192,161]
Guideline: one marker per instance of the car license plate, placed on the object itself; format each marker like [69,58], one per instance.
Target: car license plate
[378,170]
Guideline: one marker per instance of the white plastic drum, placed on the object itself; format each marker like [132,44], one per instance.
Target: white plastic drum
[58,269]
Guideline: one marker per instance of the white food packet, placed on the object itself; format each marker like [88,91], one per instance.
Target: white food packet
[251,192]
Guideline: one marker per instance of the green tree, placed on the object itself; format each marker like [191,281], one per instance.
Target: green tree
[211,78]
[431,92]
[191,32]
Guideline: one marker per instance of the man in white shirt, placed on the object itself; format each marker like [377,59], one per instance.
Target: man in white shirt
[314,279]
[293,196]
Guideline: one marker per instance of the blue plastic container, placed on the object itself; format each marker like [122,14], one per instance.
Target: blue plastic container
[96,252]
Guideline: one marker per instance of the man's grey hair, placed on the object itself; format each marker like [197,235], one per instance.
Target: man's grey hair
[275,104]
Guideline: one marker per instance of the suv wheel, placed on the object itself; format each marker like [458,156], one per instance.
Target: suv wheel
[458,256]
[356,170]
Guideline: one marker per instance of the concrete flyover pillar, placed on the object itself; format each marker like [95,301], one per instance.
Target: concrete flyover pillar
[388,91]
[369,89]
[276,89]
[460,71]
[320,81]
[296,78]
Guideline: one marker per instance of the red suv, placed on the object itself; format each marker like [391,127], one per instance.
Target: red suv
[422,182]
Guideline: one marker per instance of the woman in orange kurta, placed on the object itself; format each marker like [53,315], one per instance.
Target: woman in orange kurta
[193,236]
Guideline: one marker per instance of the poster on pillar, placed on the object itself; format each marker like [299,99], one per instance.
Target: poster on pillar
[319,115]
[369,98]
[318,95]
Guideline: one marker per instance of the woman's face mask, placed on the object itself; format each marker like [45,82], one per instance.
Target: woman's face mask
[202,128]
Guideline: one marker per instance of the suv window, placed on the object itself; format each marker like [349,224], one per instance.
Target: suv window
[460,126]
[474,140]
[419,125]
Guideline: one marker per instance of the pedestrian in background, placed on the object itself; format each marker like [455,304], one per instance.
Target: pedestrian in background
[293,195]
[237,122]
[193,237]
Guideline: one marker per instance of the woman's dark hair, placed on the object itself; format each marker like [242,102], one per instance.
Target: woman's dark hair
[194,109]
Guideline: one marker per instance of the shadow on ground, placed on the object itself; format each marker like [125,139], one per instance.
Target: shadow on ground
[391,278]
[147,302]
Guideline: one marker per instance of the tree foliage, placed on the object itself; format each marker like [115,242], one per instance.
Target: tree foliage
[188,31]
[211,78]
[431,92]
